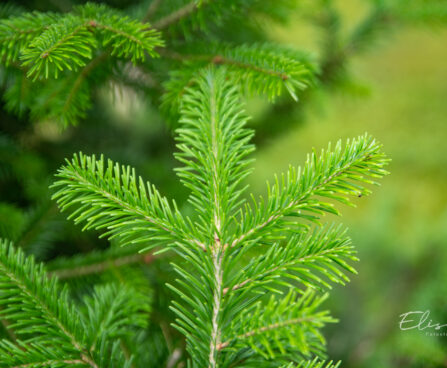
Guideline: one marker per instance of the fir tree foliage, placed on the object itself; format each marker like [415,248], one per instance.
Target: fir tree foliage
[65,57]
[261,69]
[69,43]
[223,308]
[47,329]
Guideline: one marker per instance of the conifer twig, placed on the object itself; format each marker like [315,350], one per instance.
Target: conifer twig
[152,9]
[176,15]
[146,258]
[272,326]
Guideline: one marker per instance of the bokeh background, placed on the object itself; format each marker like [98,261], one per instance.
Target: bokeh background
[396,91]
[401,231]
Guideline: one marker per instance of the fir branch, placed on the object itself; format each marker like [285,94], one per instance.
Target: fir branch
[98,261]
[151,10]
[299,315]
[177,15]
[214,164]
[114,198]
[128,38]
[16,32]
[260,69]
[335,175]
[312,258]
[112,312]
[69,43]
[313,364]
[266,68]
[34,355]
[64,45]
[25,287]
[213,125]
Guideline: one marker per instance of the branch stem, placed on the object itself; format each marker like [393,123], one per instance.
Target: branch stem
[264,329]
[217,250]
[103,266]
[176,16]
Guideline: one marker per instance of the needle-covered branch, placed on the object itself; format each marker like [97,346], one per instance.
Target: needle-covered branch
[222,311]
[316,363]
[51,331]
[113,311]
[214,146]
[35,304]
[106,196]
[312,258]
[97,262]
[272,329]
[260,69]
[306,193]
[69,42]
[18,31]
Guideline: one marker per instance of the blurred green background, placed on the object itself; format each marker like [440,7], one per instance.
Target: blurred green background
[401,230]
[397,92]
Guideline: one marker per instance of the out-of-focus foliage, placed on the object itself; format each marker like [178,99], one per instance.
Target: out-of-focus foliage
[402,234]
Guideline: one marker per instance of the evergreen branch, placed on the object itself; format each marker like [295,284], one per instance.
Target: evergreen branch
[37,305]
[211,133]
[260,69]
[114,198]
[65,100]
[98,261]
[213,158]
[63,45]
[112,311]
[128,38]
[152,9]
[68,43]
[33,355]
[303,258]
[298,315]
[67,115]
[8,10]
[315,363]
[213,143]
[18,31]
[265,329]
[177,15]
[335,175]
[266,68]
